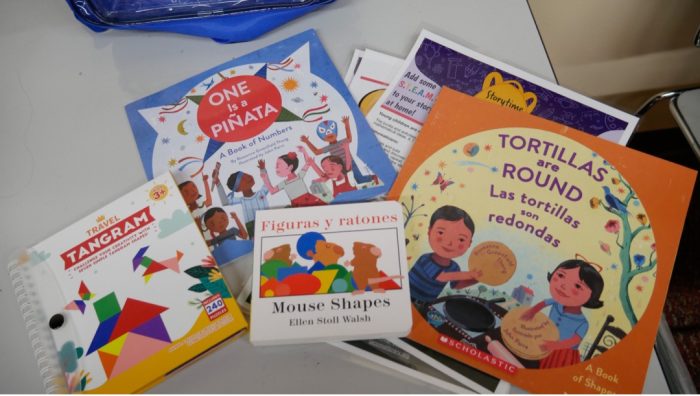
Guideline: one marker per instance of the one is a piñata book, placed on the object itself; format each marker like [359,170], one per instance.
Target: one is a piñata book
[274,128]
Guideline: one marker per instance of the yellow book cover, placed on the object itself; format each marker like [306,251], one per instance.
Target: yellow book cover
[538,253]
[128,294]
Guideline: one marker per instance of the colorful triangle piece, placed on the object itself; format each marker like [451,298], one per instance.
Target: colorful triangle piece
[114,347]
[139,255]
[82,290]
[81,305]
[103,333]
[134,314]
[136,349]
[173,263]
[154,328]
[154,267]
[108,362]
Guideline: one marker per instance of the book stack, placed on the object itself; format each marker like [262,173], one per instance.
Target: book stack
[446,214]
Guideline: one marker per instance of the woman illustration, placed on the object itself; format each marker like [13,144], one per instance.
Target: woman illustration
[333,168]
[293,183]
[573,284]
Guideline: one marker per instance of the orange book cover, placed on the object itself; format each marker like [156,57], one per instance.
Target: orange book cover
[539,254]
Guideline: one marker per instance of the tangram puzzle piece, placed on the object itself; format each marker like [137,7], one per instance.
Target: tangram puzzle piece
[152,266]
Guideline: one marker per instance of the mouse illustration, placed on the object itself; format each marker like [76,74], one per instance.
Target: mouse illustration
[282,253]
[365,272]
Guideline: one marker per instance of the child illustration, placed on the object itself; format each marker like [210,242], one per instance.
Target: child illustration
[251,201]
[573,284]
[190,193]
[328,132]
[450,235]
[335,170]
[293,183]
[216,222]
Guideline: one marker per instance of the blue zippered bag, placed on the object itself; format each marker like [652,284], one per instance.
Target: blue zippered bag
[224,21]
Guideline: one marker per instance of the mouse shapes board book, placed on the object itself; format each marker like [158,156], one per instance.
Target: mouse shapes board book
[235,134]
[329,273]
[538,253]
[124,296]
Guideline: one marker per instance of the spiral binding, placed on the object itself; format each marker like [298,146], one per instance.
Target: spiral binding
[39,335]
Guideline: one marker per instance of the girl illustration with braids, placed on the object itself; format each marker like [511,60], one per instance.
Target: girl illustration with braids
[573,284]
[293,182]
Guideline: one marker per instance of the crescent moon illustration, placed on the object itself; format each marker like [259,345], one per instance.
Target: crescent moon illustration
[181,128]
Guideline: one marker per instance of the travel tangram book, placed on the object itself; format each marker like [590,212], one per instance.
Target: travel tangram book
[435,62]
[124,296]
[329,273]
[274,128]
[538,253]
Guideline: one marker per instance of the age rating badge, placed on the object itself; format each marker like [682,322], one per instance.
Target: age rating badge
[214,306]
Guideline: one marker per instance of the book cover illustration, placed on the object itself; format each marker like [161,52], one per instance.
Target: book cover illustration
[274,128]
[130,293]
[538,253]
[435,62]
[324,273]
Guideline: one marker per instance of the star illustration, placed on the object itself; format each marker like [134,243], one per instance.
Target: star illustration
[172,162]
[414,186]
[646,237]
[487,147]
[461,185]
[165,140]
[193,90]
[231,72]
[200,138]
[426,173]
[314,84]
[442,165]
[161,119]
[297,66]
[454,151]
[621,190]
[639,288]
[433,198]
[324,98]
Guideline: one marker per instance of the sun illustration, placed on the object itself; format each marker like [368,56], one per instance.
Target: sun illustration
[290,84]
[200,138]
[172,162]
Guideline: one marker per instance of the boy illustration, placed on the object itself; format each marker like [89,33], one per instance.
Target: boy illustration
[251,201]
[450,235]
[328,132]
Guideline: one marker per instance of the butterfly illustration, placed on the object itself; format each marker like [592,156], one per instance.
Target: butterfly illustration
[440,181]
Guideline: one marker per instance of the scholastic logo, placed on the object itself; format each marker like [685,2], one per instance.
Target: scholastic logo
[109,236]
[477,354]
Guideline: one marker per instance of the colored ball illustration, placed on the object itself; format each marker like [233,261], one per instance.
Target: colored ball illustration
[471,149]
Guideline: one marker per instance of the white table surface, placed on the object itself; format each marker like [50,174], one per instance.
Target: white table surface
[67,150]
